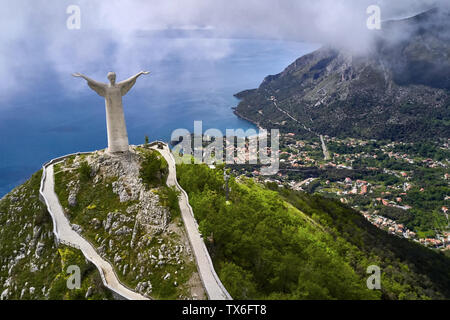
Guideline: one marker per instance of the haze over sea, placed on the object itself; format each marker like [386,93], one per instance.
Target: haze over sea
[56,114]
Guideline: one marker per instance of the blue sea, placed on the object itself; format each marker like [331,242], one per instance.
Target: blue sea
[56,114]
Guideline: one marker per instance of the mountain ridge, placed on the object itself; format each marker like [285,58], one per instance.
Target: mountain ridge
[400,91]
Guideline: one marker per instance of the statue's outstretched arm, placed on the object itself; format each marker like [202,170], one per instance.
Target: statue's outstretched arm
[98,87]
[126,85]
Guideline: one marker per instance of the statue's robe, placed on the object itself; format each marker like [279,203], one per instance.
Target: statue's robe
[115,119]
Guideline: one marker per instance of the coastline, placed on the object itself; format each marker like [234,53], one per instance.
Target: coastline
[257,124]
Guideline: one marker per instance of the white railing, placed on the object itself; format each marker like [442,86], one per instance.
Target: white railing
[211,266]
[41,188]
[55,228]
[57,237]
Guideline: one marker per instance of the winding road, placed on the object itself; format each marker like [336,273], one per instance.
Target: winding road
[65,234]
[326,154]
[68,236]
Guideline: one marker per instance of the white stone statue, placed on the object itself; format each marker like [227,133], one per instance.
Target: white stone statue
[115,119]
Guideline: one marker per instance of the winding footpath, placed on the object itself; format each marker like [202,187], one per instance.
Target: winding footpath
[65,234]
[211,282]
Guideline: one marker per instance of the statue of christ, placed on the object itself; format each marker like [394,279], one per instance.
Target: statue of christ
[115,119]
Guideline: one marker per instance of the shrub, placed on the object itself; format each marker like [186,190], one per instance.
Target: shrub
[154,169]
[85,171]
[169,197]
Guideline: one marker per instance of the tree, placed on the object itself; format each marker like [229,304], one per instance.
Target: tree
[238,282]
[85,171]
[154,169]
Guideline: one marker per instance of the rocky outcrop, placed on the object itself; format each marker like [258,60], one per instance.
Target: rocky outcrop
[129,187]
[133,230]
[73,188]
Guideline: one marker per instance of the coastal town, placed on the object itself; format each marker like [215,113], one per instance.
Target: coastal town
[402,188]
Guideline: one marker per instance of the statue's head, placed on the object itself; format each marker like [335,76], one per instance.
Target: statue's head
[111,77]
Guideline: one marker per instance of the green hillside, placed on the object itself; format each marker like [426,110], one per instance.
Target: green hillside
[31,265]
[287,245]
[265,244]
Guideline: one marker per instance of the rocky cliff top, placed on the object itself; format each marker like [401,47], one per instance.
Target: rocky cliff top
[131,223]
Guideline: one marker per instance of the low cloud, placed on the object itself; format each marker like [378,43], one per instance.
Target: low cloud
[114,34]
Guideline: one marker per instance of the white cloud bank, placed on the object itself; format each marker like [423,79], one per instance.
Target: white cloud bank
[35,31]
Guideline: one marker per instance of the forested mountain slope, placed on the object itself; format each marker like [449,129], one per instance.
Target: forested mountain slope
[286,245]
[399,90]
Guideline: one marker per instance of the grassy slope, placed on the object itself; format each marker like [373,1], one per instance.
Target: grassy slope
[22,216]
[409,269]
[265,245]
